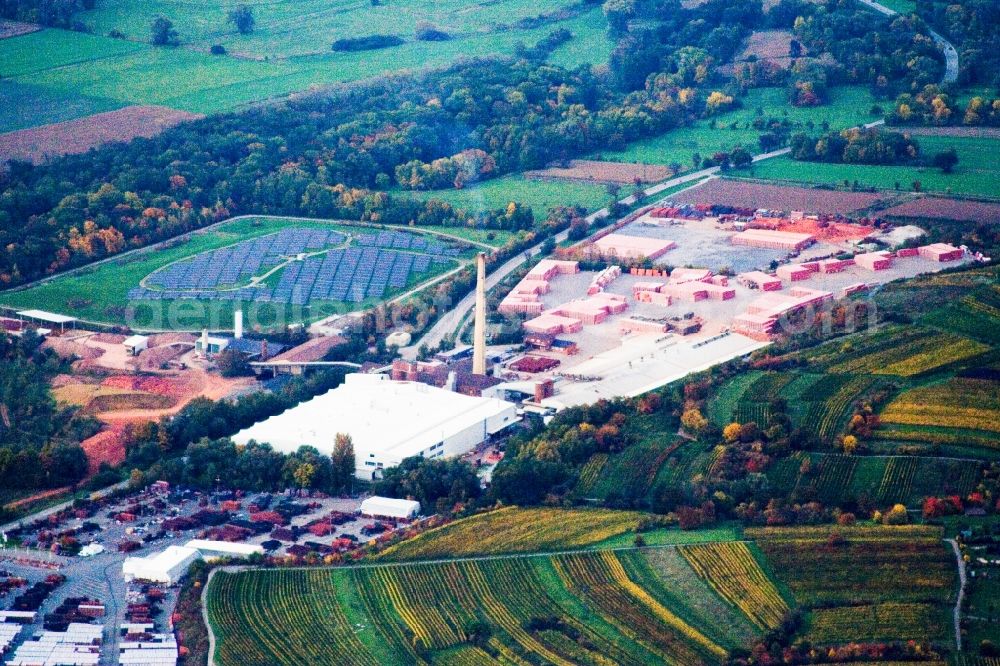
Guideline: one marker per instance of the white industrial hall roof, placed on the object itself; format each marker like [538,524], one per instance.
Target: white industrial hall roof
[397,418]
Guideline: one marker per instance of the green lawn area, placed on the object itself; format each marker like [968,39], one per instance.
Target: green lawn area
[977,172]
[306,26]
[540,195]
[26,105]
[100,293]
[590,43]
[848,106]
[289,51]
[674,536]
[492,237]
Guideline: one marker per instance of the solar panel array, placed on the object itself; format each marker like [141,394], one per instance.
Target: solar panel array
[238,263]
[400,240]
[351,274]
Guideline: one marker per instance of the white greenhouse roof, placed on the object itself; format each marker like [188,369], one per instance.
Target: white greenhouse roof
[397,418]
[239,549]
[388,506]
[50,317]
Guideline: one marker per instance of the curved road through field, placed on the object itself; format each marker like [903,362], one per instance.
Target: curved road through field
[950,54]
[961,593]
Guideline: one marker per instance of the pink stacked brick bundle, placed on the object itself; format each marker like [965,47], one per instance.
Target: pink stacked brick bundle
[603,279]
[853,289]
[553,324]
[633,247]
[525,298]
[646,286]
[835,265]
[907,252]
[688,291]
[720,280]
[654,297]
[874,261]
[593,310]
[775,240]
[793,272]
[941,252]
[760,280]
[546,269]
[763,314]
[718,292]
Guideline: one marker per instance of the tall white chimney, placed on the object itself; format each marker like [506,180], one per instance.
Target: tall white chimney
[479,334]
[204,342]
[238,324]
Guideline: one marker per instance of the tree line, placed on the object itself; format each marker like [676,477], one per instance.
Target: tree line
[39,439]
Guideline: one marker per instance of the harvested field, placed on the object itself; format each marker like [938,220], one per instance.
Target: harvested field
[106,446]
[173,387]
[948,209]
[592,171]
[37,144]
[153,359]
[127,401]
[768,45]
[776,197]
[15,28]
[72,348]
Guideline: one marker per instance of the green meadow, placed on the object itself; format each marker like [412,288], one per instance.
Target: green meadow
[977,173]
[288,52]
[848,106]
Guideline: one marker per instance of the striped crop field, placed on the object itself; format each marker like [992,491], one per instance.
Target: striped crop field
[885,583]
[885,480]
[957,403]
[733,571]
[597,609]
[516,530]
[911,621]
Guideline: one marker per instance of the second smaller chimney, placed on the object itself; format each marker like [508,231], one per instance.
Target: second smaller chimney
[238,324]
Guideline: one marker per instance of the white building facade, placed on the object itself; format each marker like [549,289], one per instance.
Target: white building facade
[387,420]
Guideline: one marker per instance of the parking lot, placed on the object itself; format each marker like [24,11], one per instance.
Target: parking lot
[148,522]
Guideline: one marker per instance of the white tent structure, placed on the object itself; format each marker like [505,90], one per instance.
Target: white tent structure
[387,420]
[212,550]
[165,567]
[387,507]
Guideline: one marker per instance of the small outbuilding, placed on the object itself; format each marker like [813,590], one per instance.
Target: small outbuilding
[135,344]
[388,507]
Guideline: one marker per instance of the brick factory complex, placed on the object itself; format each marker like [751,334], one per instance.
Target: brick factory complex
[636,322]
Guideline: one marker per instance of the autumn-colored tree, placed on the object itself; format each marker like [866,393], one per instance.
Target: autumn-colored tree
[343,461]
[896,515]
[304,475]
[693,421]
[731,432]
